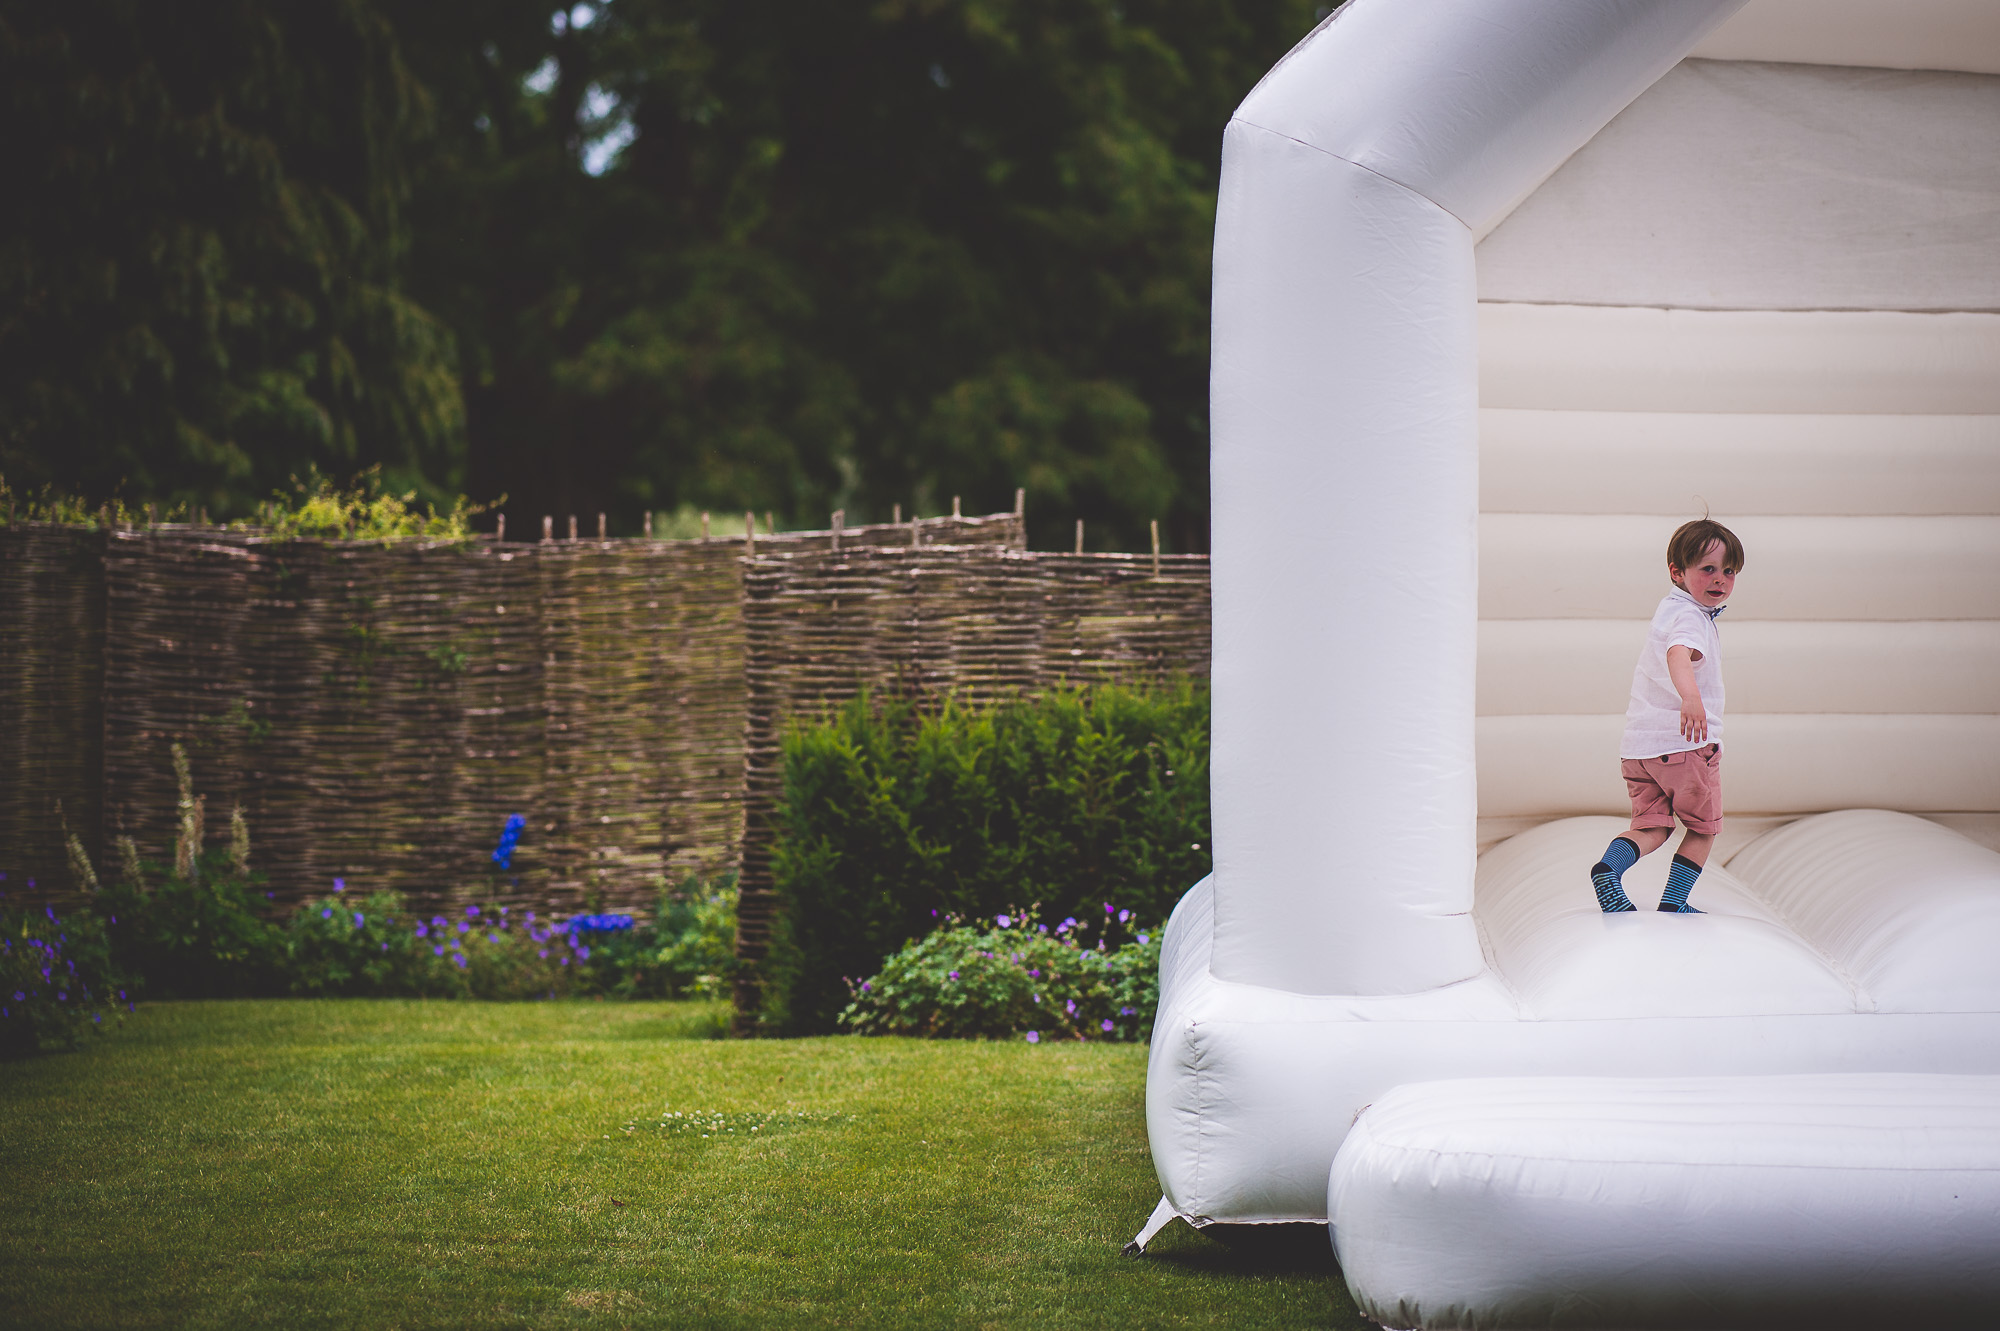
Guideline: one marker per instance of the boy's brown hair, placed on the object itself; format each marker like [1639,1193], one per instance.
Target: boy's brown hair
[1694,538]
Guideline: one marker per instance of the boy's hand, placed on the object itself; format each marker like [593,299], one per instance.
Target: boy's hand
[1694,716]
[1694,719]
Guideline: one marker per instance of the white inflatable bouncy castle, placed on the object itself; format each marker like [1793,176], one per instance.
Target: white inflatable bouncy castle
[1505,290]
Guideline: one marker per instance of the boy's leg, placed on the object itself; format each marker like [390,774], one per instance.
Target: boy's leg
[1607,875]
[1698,798]
[1652,822]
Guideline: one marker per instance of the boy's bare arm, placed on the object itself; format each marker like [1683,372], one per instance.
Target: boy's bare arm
[1694,716]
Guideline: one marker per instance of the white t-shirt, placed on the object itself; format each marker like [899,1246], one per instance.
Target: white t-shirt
[1653,717]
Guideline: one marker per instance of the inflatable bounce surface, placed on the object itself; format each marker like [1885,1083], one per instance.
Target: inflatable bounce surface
[1510,289]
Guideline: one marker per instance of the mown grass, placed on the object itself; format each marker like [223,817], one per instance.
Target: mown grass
[411,1164]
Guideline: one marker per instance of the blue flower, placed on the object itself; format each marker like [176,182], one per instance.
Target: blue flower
[510,836]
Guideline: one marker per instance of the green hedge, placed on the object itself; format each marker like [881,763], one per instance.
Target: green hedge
[897,818]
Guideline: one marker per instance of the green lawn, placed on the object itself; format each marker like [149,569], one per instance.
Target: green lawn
[402,1164]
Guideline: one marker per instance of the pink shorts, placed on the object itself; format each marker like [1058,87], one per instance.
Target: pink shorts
[1686,785]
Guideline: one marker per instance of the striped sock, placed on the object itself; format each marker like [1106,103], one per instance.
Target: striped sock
[1680,882]
[1607,874]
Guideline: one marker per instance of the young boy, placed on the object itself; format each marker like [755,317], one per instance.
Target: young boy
[1672,750]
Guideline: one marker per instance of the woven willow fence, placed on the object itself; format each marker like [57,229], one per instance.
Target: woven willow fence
[379,710]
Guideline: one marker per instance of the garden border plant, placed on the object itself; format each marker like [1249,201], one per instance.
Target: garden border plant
[898,816]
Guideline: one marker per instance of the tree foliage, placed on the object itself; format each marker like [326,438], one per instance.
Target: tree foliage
[766,254]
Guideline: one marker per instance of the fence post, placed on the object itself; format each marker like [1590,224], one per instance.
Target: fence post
[548,528]
[649,524]
[1156,547]
[572,526]
[500,530]
[1079,535]
[749,532]
[600,526]
[704,526]
[1021,515]
[839,523]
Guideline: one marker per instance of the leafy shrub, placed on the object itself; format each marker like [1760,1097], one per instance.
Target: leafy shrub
[365,510]
[1015,977]
[56,979]
[894,818]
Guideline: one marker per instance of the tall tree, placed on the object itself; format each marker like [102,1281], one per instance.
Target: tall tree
[201,245]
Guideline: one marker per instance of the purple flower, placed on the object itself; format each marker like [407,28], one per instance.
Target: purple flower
[438,951]
[20,997]
[385,947]
[1124,915]
[1035,971]
[423,931]
[564,961]
[464,928]
[459,957]
[1034,1037]
[493,938]
[543,953]
[1126,1011]
[1003,921]
[953,975]
[1035,997]
[472,911]
[1107,908]
[326,914]
[1144,939]
[1108,1024]
[866,988]
[583,952]
[531,917]
[359,919]
[340,884]
[1070,1007]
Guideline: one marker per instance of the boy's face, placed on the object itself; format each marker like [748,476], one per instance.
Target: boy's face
[1710,581]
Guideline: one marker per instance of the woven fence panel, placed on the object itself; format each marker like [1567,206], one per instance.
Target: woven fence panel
[378,711]
[926,622]
[51,703]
